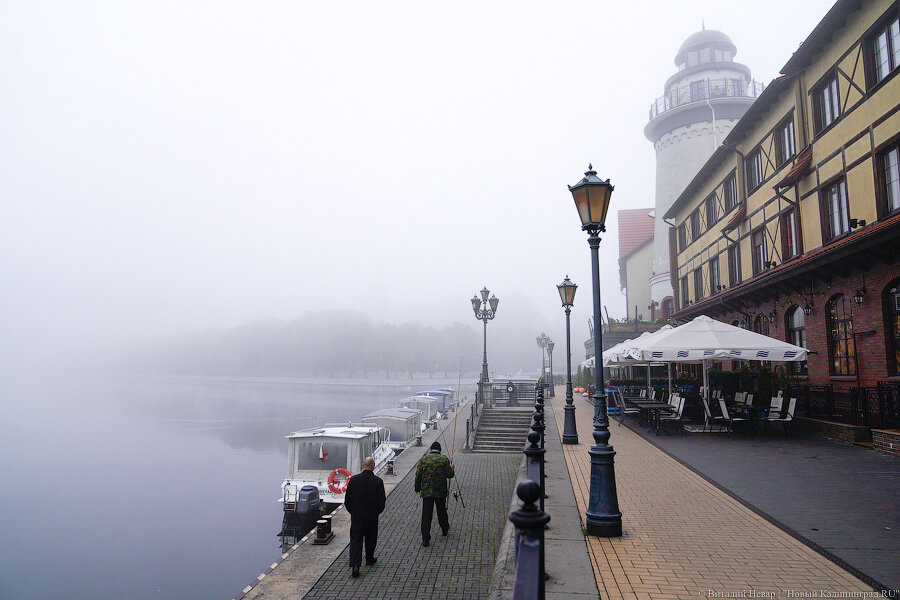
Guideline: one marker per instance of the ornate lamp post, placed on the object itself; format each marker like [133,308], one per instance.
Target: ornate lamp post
[550,346]
[567,295]
[603,518]
[485,309]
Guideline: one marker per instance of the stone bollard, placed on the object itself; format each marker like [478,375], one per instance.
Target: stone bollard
[529,521]
[327,519]
[390,467]
[418,440]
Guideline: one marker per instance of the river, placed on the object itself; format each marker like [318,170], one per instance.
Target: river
[134,488]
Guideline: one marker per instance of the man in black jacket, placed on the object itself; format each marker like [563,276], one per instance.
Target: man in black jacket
[364,500]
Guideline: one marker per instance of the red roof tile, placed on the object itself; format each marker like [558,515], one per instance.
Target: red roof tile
[635,228]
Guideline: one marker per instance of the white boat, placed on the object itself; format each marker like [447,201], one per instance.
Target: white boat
[326,457]
[428,406]
[444,397]
[404,424]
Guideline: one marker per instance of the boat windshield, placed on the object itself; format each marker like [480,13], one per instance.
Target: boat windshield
[320,455]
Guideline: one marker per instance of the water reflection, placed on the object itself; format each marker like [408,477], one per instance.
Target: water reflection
[140,488]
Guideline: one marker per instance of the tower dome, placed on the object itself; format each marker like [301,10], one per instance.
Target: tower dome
[707,39]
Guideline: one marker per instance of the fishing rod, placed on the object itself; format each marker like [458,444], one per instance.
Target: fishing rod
[457,495]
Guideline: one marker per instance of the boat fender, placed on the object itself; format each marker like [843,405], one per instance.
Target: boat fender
[334,487]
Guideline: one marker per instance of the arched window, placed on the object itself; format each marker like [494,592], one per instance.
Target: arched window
[841,345]
[668,308]
[761,324]
[795,329]
[892,325]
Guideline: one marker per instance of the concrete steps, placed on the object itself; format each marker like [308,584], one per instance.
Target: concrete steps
[503,430]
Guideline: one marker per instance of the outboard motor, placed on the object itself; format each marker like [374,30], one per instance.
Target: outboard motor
[308,500]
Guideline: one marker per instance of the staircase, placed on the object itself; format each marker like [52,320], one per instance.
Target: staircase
[502,430]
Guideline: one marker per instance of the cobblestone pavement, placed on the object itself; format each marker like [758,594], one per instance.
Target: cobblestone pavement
[839,496]
[456,567]
[685,538]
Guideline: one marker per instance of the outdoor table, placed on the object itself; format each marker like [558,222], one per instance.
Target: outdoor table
[654,409]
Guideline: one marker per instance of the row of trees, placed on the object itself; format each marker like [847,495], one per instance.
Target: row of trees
[318,344]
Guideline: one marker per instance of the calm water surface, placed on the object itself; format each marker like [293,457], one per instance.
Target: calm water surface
[145,488]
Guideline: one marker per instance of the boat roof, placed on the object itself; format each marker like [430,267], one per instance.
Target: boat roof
[400,413]
[420,399]
[338,430]
[434,393]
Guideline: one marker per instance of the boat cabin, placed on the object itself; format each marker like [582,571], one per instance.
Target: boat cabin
[444,398]
[428,406]
[327,456]
[404,424]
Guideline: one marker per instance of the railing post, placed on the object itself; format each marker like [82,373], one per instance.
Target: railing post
[534,464]
[529,521]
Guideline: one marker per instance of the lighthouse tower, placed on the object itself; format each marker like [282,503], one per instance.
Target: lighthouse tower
[701,104]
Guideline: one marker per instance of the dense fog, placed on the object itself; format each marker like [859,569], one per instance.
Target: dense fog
[175,176]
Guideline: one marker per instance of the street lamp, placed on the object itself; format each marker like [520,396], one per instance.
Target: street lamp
[602,517]
[485,309]
[567,295]
[550,345]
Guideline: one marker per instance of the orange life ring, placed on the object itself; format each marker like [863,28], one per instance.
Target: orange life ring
[335,488]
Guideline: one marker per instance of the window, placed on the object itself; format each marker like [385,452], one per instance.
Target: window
[761,324]
[712,212]
[889,180]
[714,282]
[734,265]
[705,54]
[884,50]
[841,347]
[668,308]
[784,141]
[826,108]
[758,250]
[698,91]
[718,56]
[698,284]
[892,318]
[754,169]
[682,237]
[695,225]
[729,192]
[834,210]
[790,234]
[692,58]
[685,297]
[795,330]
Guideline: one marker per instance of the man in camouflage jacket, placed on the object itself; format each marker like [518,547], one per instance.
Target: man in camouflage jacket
[432,474]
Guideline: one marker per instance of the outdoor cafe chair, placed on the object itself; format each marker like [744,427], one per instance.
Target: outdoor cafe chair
[675,417]
[782,417]
[624,409]
[731,420]
[710,419]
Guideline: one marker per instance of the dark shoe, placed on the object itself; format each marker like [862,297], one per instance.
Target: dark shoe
[355,572]
[425,543]
[444,533]
[373,561]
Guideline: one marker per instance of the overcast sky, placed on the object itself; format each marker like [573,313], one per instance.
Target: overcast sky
[170,167]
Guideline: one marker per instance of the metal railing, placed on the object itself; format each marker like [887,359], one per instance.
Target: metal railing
[877,406]
[706,89]
[523,392]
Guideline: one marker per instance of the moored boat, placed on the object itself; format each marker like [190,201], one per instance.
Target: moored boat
[444,397]
[427,404]
[404,425]
[325,458]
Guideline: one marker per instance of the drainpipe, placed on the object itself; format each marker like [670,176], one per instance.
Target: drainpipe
[715,143]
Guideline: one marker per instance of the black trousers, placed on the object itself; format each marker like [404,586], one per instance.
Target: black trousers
[428,506]
[362,528]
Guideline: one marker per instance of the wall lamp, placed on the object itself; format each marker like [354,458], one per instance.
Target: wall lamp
[854,223]
[772,315]
[807,308]
[859,296]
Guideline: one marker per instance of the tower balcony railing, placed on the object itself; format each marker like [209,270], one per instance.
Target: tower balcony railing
[706,89]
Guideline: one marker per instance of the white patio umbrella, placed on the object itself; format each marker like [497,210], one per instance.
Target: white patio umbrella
[704,339]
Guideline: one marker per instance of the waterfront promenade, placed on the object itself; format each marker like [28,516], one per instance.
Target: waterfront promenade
[457,567]
[683,537]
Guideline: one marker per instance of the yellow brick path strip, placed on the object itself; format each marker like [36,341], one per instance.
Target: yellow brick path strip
[685,538]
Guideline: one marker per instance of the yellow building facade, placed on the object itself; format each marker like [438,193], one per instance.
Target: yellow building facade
[792,227]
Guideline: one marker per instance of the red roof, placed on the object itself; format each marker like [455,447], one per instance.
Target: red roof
[635,228]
